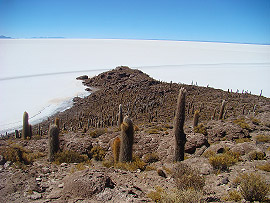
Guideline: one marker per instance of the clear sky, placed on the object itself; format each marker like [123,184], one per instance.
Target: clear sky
[241,21]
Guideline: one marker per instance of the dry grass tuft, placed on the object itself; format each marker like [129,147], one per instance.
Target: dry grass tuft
[151,158]
[224,161]
[200,129]
[264,167]
[263,138]
[233,195]
[135,164]
[242,140]
[256,155]
[97,153]
[187,177]
[242,123]
[69,157]
[253,187]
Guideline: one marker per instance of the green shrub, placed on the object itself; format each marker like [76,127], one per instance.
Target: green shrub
[187,177]
[224,161]
[200,129]
[253,187]
[69,157]
[263,138]
[264,167]
[256,155]
[97,153]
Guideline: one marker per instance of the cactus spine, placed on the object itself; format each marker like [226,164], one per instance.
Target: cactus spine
[25,130]
[53,142]
[222,107]
[196,119]
[178,128]
[127,136]
[120,116]
[116,149]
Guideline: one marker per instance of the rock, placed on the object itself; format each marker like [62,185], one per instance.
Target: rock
[38,179]
[194,141]
[83,77]
[7,164]
[104,196]
[35,196]
[85,184]
[61,185]
[63,164]
[55,194]
[161,173]
[225,180]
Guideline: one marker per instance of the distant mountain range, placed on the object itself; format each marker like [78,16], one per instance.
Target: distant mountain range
[4,37]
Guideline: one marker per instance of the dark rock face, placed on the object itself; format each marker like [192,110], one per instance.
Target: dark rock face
[85,184]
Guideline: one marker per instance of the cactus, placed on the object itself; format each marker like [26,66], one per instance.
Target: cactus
[120,116]
[25,130]
[178,128]
[196,119]
[30,132]
[17,134]
[127,136]
[57,122]
[53,142]
[116,149]
[222,110]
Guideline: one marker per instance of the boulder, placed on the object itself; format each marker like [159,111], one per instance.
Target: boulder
[86,183]
[194,141]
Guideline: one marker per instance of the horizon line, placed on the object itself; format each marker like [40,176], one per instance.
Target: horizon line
[146,39]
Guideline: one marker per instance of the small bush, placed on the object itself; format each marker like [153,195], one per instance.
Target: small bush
[209,153]
[256,155]
[98,132]
[17,154]
[156,195]
[97,153]
[153,131]
[263,138]
[135,164]
[69,157]
[200,129]
[151,158]
[264,167]
[253,187]
[224,161]
[187,178]
[242,123]
[255,121]
[183,196]
[233,195]
[242,140]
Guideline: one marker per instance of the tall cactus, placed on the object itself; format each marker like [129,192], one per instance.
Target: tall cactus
[116,149]
[196,119]
[57,122]
[53,142]
[178,128]
[221,112]
[120,116]
[25,130]
[127,136]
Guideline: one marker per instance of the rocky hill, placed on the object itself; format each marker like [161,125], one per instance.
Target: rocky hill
[217,150]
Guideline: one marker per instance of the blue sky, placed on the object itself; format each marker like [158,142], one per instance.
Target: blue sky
[241,21]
